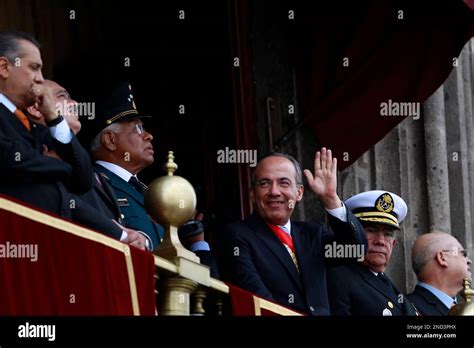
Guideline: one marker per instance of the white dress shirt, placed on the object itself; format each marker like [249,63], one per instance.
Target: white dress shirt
[61,132]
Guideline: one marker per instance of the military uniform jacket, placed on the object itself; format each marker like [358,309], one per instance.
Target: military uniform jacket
[426,302]
[354,290]
[132,206]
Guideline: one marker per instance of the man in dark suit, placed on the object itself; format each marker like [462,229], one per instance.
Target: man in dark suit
[363,288]
[97,208]
[283,260]
[440,264]
[26,173]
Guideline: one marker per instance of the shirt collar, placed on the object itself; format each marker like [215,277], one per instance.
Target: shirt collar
[287,227]
[117,170]
[442,296]
[8,104]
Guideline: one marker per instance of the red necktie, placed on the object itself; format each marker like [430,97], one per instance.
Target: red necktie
[287,241]
[283,236]
[23,119]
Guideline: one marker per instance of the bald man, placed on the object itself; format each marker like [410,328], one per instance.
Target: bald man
[66,106]
[440,264]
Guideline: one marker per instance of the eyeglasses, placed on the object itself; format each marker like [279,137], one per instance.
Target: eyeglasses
[139,129]
[456,252]
[387,234]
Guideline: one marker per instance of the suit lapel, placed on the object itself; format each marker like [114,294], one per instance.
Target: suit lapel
[17,125]
[105,191]
[275,246]
[121,185]
[432,300]
[302,251]
[125,187]
[378,285]
[37,133]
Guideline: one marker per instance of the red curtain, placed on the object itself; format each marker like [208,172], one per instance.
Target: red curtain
[71,275]
[397,50]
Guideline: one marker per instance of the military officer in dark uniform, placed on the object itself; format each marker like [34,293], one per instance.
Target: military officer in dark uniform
[362,288]
[121,149]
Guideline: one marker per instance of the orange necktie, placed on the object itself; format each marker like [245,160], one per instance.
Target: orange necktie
[23,119]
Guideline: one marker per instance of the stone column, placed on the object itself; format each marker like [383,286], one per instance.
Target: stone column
[413,190]
[436,166]
[457,146]
[467,66]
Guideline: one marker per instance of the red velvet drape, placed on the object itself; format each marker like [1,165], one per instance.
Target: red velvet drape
[71,276]
[400,56]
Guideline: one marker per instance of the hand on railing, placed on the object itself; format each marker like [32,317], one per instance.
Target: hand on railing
[134,238]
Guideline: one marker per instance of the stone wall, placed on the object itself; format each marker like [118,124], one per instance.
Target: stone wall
[429,162]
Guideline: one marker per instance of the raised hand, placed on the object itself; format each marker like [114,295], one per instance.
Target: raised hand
[324,181]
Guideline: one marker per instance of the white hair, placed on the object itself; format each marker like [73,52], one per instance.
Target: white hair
[96,144]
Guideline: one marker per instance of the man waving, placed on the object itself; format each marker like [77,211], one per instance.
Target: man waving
[284,260]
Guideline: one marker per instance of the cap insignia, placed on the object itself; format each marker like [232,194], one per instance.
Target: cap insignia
[384,203]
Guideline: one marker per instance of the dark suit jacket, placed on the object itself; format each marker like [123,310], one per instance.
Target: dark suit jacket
[132,206]
[256,260]
[355,290]
[206,258]
[426,303]
[26,174]
[97,208]
[102,197]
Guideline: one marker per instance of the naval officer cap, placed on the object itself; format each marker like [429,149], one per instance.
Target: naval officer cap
[378,206]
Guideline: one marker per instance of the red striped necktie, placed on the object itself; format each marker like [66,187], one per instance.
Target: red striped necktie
[283,236]
[287,241]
